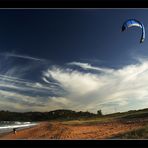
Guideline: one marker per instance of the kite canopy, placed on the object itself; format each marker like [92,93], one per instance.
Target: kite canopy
[131,23]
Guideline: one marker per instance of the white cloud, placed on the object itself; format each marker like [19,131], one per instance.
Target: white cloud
[71,88]
[89,66]
[19,94]
[21,56]
[74,81]
[125,86]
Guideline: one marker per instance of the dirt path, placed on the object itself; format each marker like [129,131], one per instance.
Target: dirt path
[58,130]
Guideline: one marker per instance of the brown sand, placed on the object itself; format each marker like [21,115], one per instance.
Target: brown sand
[58,130]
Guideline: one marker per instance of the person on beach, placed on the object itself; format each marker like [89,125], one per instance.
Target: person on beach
[14,130]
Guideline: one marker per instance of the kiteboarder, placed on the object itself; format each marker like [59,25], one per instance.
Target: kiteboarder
[14,130]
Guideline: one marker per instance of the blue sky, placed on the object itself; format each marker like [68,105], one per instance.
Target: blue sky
[72,59]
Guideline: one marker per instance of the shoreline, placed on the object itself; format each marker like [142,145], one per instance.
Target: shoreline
[10,130]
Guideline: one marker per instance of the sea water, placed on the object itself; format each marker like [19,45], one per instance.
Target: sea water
[7,126]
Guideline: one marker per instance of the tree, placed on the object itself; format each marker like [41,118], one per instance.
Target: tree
[99,112]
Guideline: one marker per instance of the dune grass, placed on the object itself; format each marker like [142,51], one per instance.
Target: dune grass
[89,121]
[141,133]
[126,116]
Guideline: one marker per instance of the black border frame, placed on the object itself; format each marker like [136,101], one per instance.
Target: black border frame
[73,4]
[74,143]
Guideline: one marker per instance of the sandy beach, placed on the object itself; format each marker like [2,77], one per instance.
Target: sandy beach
[59,130]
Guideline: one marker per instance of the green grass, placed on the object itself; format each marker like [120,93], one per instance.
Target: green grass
[141,133]
[125,116]
[89,121]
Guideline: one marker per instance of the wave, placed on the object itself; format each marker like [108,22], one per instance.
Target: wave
[6,126]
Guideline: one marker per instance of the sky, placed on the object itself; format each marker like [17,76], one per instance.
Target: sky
[74,59]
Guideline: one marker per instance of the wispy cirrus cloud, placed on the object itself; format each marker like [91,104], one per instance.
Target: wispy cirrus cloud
[20,94]
[22,56]
[23,95]
[87,66]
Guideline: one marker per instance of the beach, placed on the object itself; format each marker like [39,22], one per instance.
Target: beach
[63,131]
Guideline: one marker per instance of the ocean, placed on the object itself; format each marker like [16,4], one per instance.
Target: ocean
[8,126]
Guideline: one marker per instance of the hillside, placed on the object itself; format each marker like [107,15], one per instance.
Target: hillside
[43,116]
[62,114]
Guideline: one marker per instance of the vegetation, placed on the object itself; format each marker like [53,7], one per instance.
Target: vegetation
[141,133]
[66,115]
[99,112]
[43,116]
